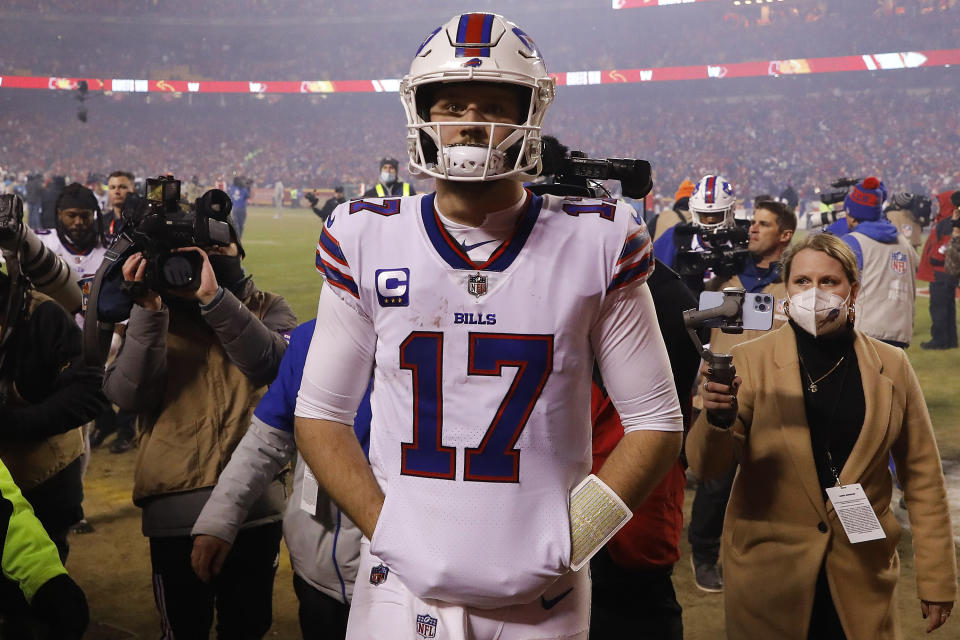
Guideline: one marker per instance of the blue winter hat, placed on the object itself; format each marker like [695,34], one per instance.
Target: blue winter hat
[865,200]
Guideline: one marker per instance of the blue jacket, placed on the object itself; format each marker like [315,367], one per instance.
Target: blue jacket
[278,403]
[754,279]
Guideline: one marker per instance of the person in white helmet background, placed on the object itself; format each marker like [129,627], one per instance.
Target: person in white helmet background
[480,309]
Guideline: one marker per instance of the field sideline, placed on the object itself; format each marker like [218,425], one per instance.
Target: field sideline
[281,254]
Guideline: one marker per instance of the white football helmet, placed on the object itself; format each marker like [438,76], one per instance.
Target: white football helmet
[712,203]
[476,47]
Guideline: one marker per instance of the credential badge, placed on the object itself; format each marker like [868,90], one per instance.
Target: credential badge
[477,285]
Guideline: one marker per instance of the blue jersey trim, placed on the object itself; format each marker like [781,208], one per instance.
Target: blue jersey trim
[453,254]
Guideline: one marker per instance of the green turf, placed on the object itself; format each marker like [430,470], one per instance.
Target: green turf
[281,254]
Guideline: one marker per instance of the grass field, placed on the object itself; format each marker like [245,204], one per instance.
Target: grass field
[281,253]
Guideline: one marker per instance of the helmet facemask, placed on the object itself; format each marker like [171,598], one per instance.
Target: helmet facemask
[508,59]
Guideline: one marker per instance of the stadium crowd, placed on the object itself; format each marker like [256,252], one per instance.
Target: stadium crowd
[819,134]
[285,52]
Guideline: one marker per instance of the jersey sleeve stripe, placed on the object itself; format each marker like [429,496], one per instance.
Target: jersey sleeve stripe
[331,247]
[641,270]
[337,278]
[636,243]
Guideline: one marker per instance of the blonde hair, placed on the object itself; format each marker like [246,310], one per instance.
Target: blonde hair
[826,243]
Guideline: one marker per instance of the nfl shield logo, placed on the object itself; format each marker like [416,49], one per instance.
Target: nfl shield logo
[477,284]
[898,262]
[378,575]
[426,626]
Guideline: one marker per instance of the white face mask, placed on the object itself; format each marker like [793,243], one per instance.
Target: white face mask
[818,312]
[388,177]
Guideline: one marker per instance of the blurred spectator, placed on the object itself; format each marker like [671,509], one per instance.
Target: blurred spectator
[330,204]
[388,183]
[239,193]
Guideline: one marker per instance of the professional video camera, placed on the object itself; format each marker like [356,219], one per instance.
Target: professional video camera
[574,174]
[158,225]
[841,187]
[721,251]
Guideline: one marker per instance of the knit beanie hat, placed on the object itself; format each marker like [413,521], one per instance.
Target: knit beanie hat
[685,191]
[865,200]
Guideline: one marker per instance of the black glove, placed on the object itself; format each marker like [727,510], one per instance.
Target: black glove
[61,606]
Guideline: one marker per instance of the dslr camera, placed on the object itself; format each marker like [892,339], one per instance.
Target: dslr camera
[839,191]
[158,224]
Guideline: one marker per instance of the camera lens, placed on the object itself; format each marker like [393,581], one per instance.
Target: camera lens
[767,299]
[761,307]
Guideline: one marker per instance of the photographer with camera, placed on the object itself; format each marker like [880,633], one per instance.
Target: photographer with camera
[771,232]
[196,360]
[328,206]
[909,213]
[887,265]
[46,395]
[47,272]
[943,284]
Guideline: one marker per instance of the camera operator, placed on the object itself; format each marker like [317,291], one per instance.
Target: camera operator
[887,264]
[943,285]
[328,206]
[389,185]
[239,192]
[46,271]
[46,395]
[771,232]
[909,213]
[193,367]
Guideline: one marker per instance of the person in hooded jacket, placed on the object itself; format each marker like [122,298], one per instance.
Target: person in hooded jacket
[193,367]
[887,263]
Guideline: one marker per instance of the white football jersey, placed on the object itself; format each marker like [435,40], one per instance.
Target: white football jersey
[481,398]
[83,266]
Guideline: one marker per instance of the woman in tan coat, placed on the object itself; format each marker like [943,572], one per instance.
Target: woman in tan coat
[817,405]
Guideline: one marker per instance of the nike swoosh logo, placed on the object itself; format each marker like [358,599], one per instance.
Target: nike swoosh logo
[467,248]
[552,602]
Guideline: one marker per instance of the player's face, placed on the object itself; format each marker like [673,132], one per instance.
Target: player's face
[76,220]
[812,268]
[117,188]
[474,102]
[765,235]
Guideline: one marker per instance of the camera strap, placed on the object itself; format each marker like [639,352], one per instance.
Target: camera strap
[97,335]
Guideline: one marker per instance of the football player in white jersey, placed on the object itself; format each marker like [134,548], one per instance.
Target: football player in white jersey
[77,238]
[480,310]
